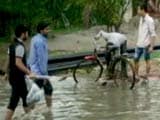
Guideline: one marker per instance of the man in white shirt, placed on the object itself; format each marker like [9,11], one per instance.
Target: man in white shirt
[116,39]
[146,38]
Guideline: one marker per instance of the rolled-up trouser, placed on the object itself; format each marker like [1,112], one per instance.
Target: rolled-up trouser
[121,50]
[46,85]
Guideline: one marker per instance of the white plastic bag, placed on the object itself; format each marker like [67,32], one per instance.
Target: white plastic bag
[35,94]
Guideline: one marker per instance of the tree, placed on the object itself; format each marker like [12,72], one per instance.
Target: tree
[62,13]
[112,12]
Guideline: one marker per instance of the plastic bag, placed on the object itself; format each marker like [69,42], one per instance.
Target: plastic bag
[35,94]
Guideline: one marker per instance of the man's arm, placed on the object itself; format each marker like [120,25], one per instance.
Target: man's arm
[152,42]
[19,63]
[21,66]
[6,69]
[153,34]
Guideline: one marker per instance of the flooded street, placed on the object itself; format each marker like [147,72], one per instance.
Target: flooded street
[90,101]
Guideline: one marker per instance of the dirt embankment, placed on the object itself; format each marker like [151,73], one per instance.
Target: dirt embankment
[82,40]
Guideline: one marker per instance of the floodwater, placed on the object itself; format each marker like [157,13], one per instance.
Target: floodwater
[90,101]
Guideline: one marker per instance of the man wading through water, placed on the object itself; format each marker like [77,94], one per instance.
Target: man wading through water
[17,71]
[38,60]
[146,38]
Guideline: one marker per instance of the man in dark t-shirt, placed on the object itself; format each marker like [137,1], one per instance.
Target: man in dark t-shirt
[17,71]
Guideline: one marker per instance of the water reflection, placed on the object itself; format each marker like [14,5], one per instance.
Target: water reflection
[48,115]
[90,101]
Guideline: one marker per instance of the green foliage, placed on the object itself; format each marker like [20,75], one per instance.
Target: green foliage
[61,13]
[135,4]
[111,12]
[155,54]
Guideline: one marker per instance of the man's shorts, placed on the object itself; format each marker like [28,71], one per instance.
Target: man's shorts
[46,85]
[139,51]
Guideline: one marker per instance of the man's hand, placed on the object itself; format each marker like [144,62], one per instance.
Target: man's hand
[32,75]
[152,40]
[150,49]
[5,77]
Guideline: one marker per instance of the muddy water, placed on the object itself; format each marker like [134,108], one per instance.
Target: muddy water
[90,101]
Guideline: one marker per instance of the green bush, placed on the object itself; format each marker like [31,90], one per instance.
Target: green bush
[61,13]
